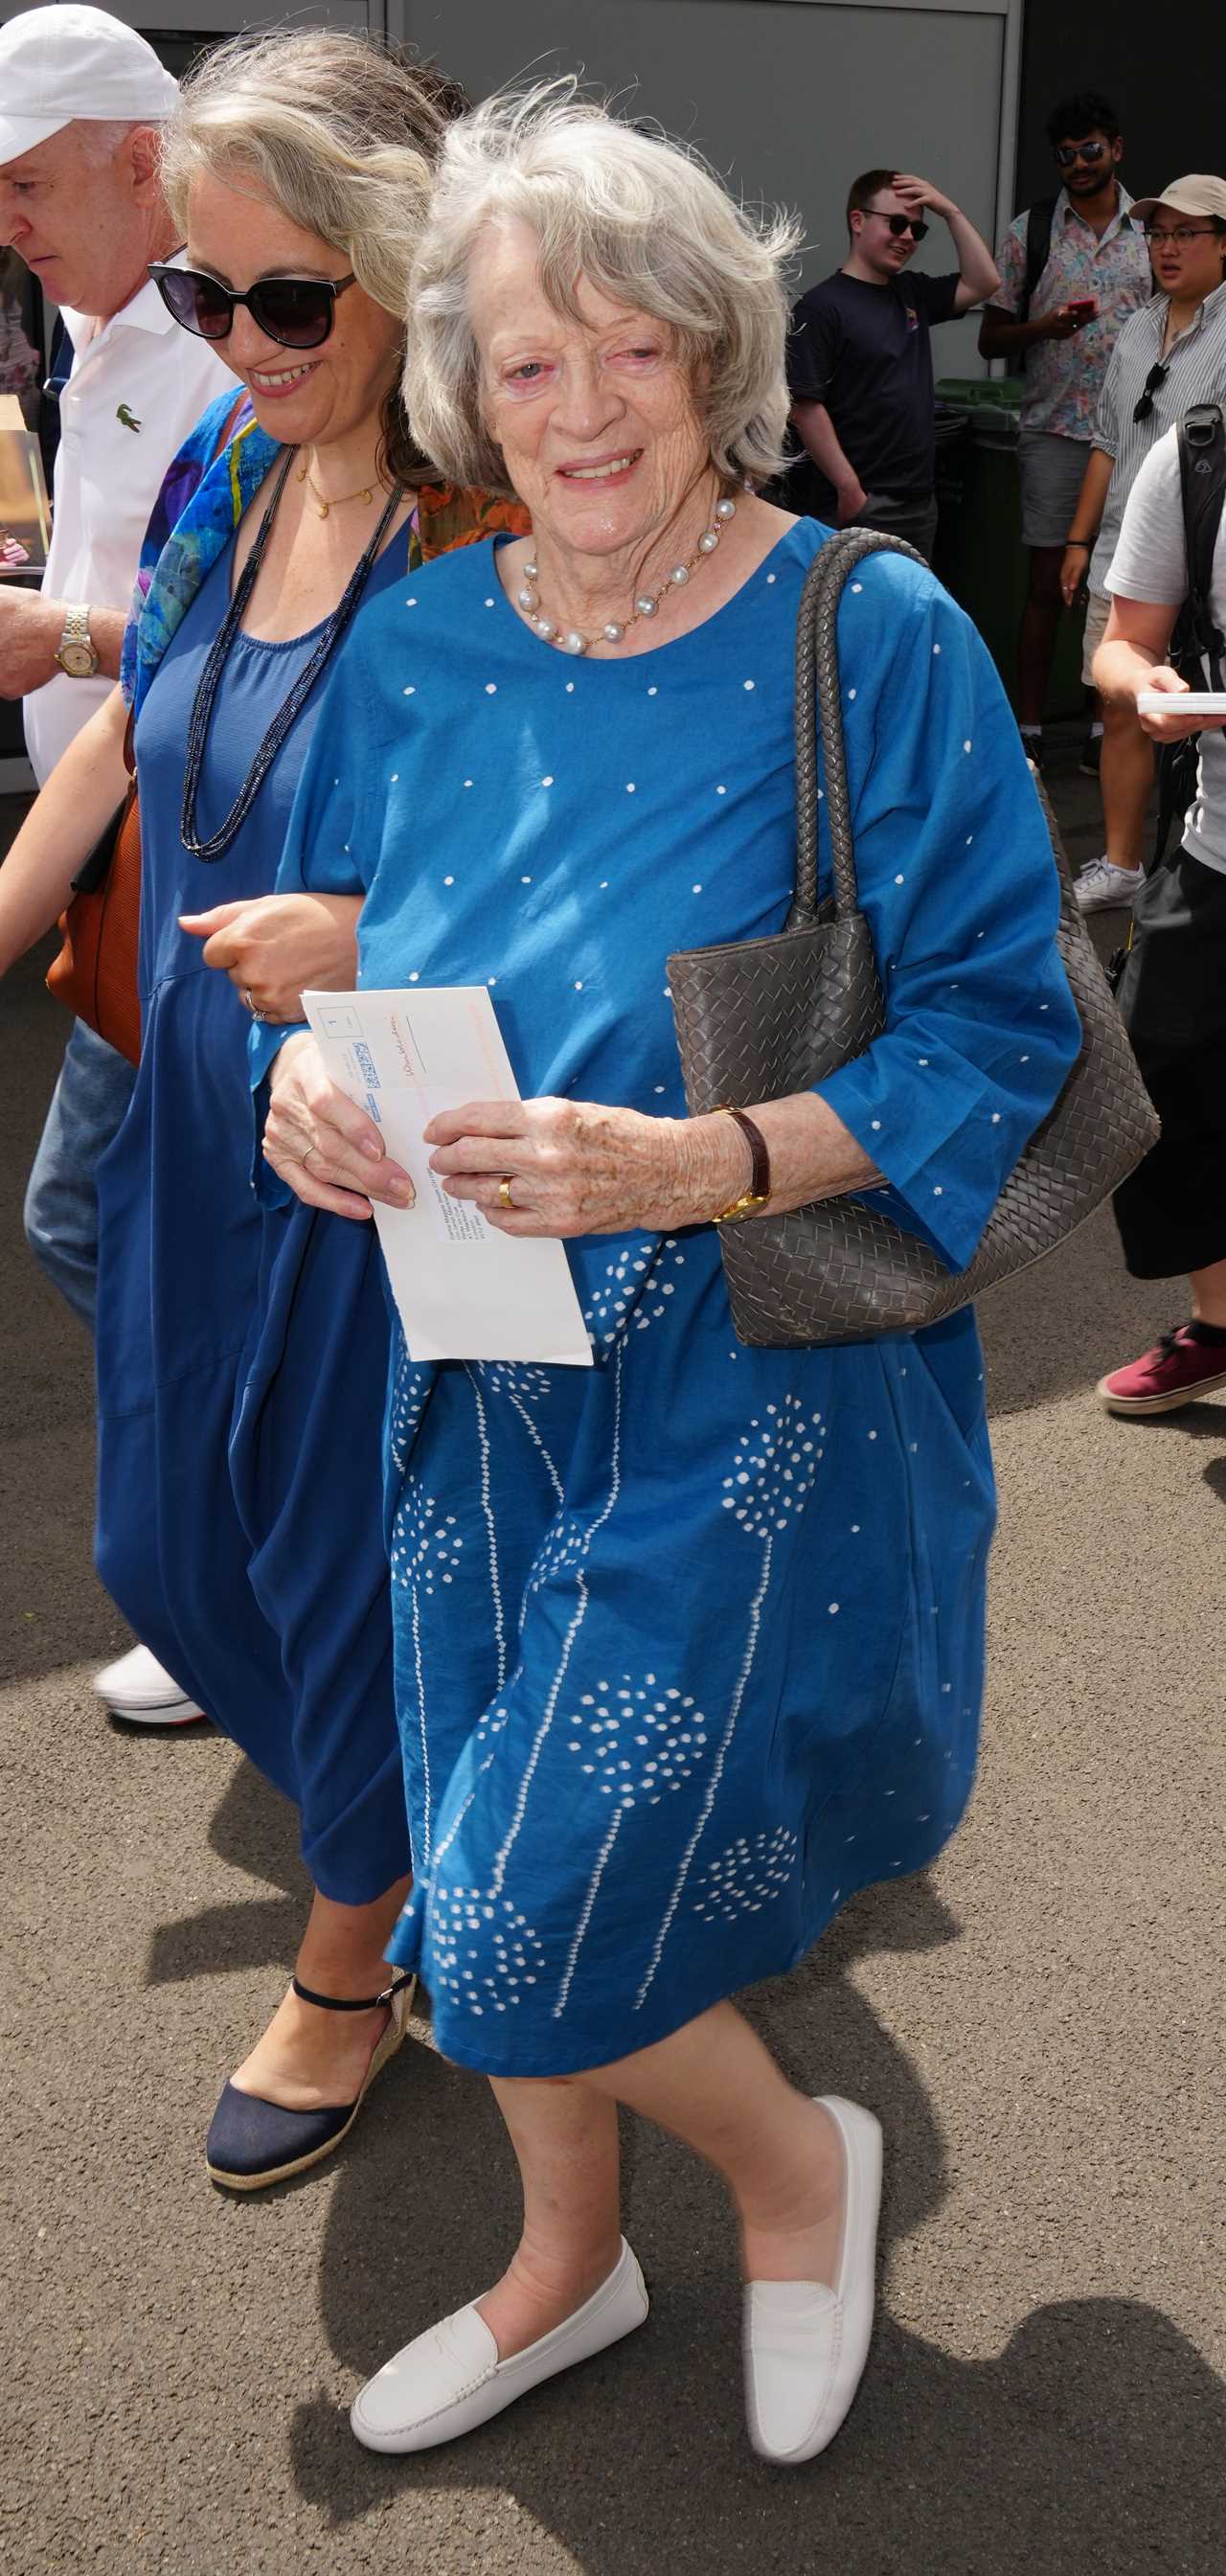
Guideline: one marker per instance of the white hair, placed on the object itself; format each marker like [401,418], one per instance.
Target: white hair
[99,138]
[335,129]
[645,222]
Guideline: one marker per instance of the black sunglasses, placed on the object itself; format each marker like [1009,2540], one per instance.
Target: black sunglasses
[1154,381]
[1067,153]
[899,224]
[297,312]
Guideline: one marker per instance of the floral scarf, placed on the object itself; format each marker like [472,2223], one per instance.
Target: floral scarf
[204,495]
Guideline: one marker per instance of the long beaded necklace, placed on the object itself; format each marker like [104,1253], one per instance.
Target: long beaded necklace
[218,842]
[569,639]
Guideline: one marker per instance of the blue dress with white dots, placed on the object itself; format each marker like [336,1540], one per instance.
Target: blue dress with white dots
[689,1646]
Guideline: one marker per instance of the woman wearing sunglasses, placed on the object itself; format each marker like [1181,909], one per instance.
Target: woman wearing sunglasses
[1168,356]
[299,169]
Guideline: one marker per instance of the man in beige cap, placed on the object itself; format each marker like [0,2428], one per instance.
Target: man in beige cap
[82,98]
[1168,356]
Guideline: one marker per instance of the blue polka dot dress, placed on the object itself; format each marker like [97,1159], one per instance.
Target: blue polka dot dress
[689,1646]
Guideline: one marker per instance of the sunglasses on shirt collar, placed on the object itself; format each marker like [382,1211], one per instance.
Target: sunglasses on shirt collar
[296,312]
[1154,381]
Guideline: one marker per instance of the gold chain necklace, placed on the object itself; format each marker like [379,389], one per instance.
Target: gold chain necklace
[364,493]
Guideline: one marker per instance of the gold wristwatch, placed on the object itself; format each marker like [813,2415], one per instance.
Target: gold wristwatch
[77,653]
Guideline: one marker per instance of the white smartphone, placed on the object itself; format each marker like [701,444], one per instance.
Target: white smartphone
[1196,702]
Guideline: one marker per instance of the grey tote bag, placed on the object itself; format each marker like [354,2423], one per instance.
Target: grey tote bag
[766,1017]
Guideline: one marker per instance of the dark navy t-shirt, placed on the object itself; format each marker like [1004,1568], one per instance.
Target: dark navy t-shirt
[866,353]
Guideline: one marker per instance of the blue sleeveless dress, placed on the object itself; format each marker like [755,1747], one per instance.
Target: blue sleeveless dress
[261,1584]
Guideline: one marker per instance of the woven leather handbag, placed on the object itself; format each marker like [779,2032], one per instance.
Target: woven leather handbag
[765,1017]
[94,975]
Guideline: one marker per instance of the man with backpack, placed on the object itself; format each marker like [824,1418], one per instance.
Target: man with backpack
[1169,569]
[1168,357]
[1072,268]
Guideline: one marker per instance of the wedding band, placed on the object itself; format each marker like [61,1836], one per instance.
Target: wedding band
[255,1013]
[504,1191]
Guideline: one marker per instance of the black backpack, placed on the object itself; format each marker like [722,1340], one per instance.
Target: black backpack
[1197,644]
[1038,252]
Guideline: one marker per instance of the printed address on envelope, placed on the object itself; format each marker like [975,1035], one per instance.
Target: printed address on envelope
[464,1291]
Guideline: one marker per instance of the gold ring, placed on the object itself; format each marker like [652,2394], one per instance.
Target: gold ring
[504,1191]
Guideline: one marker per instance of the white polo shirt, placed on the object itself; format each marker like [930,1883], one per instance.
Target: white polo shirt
[134,393]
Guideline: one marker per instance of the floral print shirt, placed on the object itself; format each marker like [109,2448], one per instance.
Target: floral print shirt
[1064,378]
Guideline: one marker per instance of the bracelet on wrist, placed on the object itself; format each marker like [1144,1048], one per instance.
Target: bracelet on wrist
[759,1190]
[1084,545]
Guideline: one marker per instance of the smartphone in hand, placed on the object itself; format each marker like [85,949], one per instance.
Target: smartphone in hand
[1083,309]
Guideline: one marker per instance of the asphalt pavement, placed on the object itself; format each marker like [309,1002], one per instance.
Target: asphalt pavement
[1036,2020]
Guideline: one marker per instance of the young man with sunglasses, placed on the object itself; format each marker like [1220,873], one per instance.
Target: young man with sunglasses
[82,99]
[1061,326]
[860,362]
[1168,356]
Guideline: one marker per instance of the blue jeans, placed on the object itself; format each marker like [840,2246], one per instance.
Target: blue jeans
[61,1211]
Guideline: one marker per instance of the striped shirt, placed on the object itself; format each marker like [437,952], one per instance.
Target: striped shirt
[1196,372]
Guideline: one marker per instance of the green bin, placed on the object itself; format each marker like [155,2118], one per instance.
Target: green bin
[979,552]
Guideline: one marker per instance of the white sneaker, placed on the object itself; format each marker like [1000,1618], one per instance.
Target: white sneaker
[450,2379]
[1103,887]
[139,1689]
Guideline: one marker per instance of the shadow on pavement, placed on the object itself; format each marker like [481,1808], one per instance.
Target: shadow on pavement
[256,1830]
[1091,2446]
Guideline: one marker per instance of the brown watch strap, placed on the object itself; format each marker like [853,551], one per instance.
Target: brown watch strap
[760,1177]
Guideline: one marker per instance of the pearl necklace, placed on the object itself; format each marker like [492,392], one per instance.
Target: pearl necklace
[569,640]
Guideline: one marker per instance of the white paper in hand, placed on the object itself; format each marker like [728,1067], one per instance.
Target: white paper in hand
[464,1291]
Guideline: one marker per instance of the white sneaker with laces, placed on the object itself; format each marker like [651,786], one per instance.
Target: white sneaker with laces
[1103,887]
[139,1689]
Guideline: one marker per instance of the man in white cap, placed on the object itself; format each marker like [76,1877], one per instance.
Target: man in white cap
[1168,356]
[81,100]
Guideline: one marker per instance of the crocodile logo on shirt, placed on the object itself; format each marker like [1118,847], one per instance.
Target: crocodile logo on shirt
[128,418]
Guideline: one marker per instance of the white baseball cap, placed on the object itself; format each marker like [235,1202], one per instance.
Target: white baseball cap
[58,64]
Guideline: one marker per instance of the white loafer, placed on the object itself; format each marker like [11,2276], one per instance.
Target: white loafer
[806,2345]
[450,2379]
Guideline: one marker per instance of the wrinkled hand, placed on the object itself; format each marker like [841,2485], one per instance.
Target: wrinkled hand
[30,630]
[577,1167]
[1175,727]
[329,1153]
[918,193]
[278,946]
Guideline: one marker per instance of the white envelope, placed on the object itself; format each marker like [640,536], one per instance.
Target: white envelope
[464,1291]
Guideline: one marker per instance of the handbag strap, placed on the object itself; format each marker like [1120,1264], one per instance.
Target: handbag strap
[819,699]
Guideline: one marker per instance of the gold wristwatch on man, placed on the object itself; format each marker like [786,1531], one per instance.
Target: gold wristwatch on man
[76,653]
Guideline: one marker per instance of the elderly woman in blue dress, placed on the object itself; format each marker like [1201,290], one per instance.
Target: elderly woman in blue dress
[689,1644]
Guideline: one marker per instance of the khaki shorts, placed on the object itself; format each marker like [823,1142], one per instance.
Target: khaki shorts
[1097,613]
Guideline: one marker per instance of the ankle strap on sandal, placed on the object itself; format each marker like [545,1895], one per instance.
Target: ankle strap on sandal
[346,2003]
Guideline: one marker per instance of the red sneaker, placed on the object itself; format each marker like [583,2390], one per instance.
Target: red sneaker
[1175,1372]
